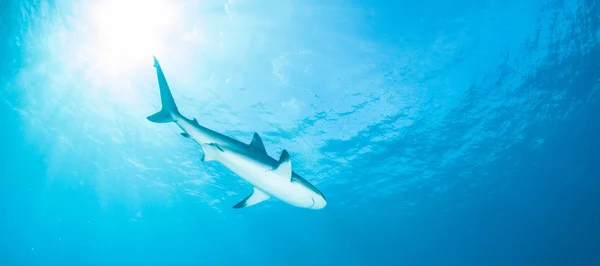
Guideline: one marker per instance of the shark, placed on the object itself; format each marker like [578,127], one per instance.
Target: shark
[269,177]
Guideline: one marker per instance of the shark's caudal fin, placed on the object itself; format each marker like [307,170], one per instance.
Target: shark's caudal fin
[169,112]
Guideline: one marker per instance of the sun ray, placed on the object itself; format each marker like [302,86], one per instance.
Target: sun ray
[128,32]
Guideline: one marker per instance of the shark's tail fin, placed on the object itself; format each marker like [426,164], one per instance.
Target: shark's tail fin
[169,112]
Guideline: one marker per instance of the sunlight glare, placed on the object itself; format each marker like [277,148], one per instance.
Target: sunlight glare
[129,32]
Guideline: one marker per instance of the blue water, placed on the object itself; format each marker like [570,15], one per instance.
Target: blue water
[441,132]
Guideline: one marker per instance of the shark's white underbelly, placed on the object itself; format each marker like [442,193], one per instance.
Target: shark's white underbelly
[255,173]
[262,178]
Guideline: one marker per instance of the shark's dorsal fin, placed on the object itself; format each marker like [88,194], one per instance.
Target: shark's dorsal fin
[257,143]
[284,166]
[256,197]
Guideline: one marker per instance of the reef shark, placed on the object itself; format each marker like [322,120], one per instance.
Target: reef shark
[270,178]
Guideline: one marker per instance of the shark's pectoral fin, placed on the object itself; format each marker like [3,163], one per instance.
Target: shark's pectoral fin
[284,166]
[257,143]
[256,197]
[185,135]
[211,152]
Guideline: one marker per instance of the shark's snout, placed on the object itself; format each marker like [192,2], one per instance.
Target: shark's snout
[319,202]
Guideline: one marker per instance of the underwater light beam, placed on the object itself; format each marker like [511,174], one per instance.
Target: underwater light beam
[127,32]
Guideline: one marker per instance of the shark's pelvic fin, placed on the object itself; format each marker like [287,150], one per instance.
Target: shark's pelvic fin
[256,197]
[185,135]
[284,166]
[257,144]
[169,112]
[211,152]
